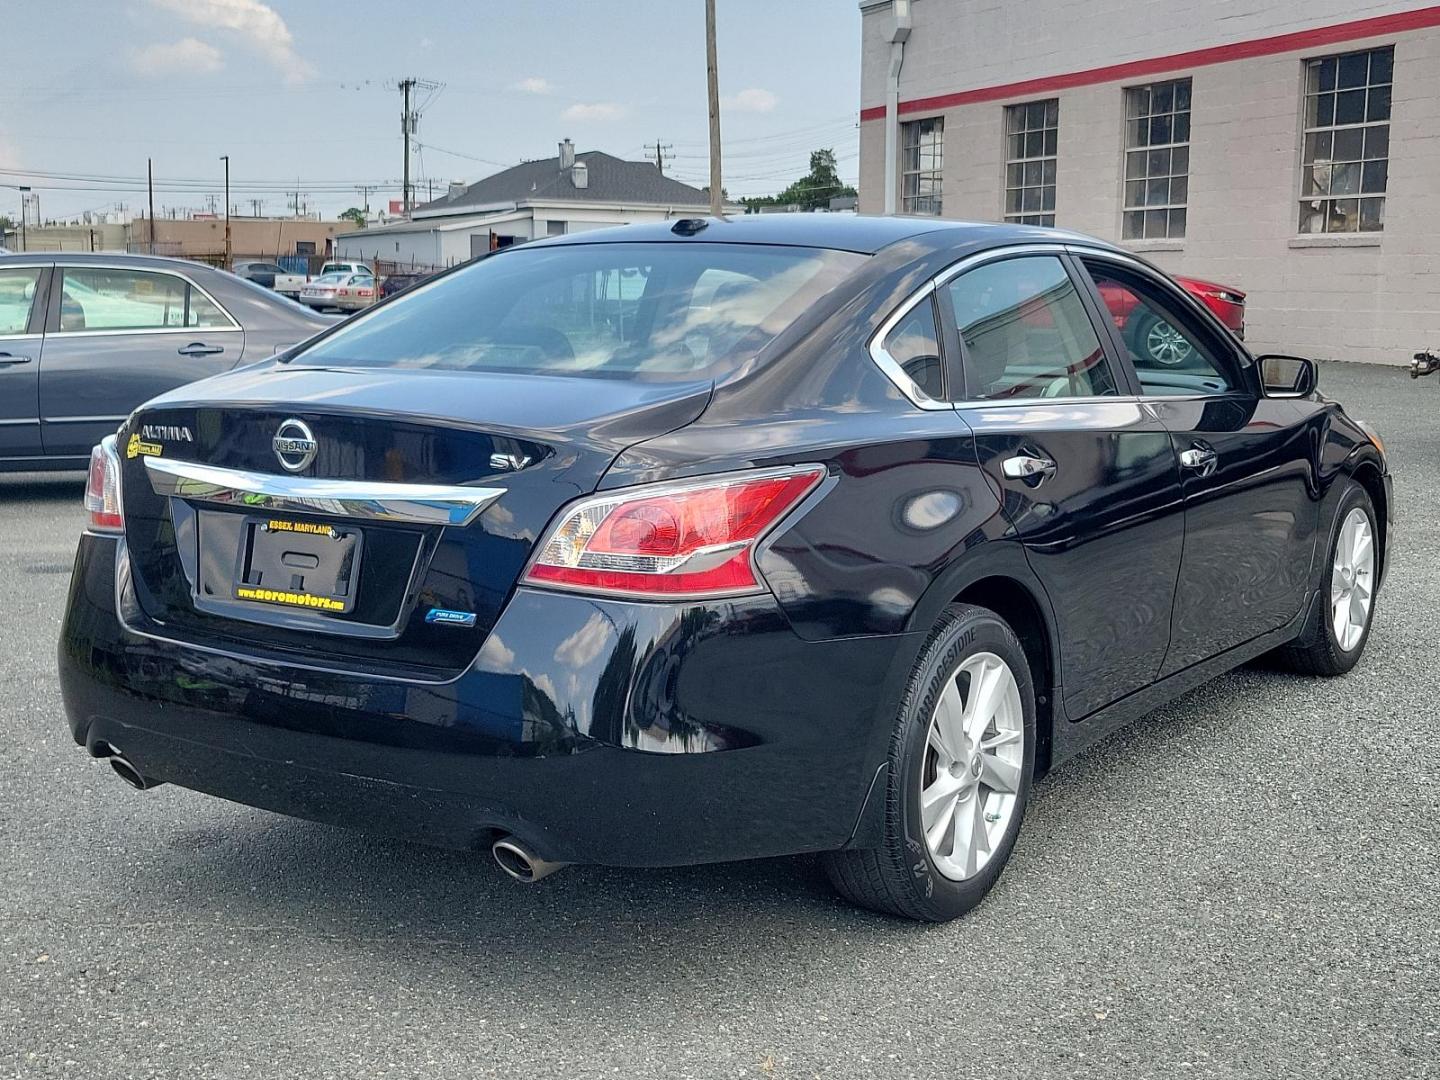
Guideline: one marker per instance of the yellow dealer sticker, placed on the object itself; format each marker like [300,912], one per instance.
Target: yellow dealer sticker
[137,448]
[293,599]
[311,527]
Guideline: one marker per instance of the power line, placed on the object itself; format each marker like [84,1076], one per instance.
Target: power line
[467,157]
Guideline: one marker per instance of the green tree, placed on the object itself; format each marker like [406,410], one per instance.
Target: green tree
[812,191]
[354,214]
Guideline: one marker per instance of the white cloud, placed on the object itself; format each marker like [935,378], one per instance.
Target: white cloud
[583,646]
[257,23]
[599,110]
[753,100]
[533,85]
[186,56]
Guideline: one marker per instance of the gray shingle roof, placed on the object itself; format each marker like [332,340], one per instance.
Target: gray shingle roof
[612,180]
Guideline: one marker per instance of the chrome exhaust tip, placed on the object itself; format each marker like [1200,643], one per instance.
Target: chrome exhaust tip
[131,775]
[520,862]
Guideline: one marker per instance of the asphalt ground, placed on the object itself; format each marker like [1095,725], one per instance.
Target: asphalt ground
[1244,884]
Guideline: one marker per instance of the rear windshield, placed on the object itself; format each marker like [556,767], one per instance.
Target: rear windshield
[663,310]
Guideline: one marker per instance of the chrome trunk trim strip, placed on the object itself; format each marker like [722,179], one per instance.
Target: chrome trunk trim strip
[421,504]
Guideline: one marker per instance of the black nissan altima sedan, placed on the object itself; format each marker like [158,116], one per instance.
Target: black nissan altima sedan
[711,540]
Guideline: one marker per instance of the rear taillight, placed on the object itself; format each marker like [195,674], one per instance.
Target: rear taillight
[364,292]
[671,541]
[102,489]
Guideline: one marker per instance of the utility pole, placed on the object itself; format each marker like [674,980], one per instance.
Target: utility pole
[659,149]
[150,177]
[365,190]
[712,79]
[407,126]
[24,192]
[255,205]
[226,158]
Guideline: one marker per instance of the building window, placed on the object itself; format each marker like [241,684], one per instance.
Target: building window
[1032,132]
[1157,160]
[922,156]
[1346,157]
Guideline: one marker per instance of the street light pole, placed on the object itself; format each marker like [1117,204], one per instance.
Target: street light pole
[226,158]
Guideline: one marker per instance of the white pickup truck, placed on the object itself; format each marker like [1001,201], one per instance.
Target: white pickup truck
[272,276]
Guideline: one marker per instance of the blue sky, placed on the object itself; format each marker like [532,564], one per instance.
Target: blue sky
[300,91]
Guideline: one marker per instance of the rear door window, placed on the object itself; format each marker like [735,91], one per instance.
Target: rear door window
[99,298]
[1025,333]
[649,310]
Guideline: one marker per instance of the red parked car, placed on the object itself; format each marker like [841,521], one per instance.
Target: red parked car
[1152,338]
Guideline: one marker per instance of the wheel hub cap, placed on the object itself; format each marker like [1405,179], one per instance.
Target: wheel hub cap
[1352,579]
[1167,345]
[970,779]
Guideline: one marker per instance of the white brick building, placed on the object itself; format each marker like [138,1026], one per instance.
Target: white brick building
[1292,150]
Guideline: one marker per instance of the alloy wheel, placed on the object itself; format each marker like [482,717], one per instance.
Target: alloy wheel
[1166,345]
[1352,579]
[974,756]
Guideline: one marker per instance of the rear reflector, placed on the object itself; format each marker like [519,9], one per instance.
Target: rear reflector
[102,489]
[684,540]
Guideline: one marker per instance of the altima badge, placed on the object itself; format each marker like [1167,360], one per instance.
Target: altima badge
[295,445]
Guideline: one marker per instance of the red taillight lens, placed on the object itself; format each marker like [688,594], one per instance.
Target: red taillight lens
[664,541]
[102,488]
[364,292]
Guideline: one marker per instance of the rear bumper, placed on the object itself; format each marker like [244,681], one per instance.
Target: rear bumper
[601,732]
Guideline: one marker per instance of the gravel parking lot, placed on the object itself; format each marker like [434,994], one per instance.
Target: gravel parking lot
[1242,885]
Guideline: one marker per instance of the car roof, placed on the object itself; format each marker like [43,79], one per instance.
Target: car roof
[844,232]
[104,258]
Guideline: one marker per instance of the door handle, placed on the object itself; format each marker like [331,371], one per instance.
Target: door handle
[1025,467]
[1200,458]
[199,348]
[10,359]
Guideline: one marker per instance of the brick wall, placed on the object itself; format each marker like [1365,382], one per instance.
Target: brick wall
[1372,297]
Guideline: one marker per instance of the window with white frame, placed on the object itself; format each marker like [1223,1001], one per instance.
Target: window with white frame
[1031,137]
[1157,160]
[922,157]
[1345,160]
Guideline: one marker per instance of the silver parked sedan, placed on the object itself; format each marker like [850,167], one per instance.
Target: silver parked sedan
[340,291]
[85,338]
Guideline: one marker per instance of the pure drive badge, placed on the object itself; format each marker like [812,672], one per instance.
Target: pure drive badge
[450,618]
[294,445]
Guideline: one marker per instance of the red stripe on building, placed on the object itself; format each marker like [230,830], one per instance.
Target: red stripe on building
[1217,54]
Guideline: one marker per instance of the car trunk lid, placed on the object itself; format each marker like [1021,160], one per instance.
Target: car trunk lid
[230,558]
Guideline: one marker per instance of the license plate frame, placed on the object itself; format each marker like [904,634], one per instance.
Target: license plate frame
[299,564]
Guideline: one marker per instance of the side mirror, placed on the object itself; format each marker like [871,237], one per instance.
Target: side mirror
[1288,376]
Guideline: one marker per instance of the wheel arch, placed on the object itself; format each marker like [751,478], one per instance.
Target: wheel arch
[1015,602]
[1366,473]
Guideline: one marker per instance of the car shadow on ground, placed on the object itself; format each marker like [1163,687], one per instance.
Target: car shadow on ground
[49,486]
[307,879]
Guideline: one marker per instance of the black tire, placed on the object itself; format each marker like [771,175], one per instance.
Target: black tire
[900,877]
[1317,651]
